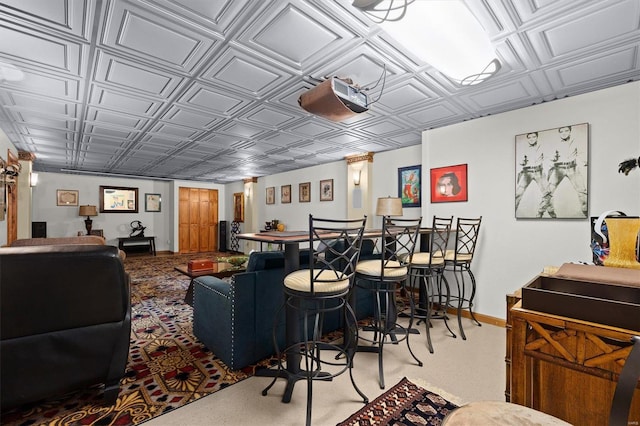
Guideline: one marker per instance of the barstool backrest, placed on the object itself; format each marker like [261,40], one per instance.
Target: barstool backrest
[439,240]
[399,237]
[336,252]
[467,231]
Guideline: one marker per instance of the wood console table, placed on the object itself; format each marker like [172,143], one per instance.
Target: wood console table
[124,242]
[566,367]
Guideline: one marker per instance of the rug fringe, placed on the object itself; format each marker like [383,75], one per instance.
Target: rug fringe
[435,389]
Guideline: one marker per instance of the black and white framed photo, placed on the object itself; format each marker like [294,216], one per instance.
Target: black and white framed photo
[552,173]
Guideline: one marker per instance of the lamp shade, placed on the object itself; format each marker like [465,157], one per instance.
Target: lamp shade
[88,211]
[389,206]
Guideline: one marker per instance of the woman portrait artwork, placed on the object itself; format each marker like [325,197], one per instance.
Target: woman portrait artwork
[449,184]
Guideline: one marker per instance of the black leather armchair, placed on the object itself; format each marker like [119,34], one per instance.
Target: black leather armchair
[65,321]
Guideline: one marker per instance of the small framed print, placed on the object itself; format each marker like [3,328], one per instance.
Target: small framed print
[326,190]
[304,192]
[285,194]
[271,195]
[67,197]
[152,202]
[449,184]
[409,186]
[238,207]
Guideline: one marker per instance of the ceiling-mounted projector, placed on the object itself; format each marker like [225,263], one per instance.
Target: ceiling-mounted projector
[334,99]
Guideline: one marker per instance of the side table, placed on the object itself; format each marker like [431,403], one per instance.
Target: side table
[124,242]
[220,270]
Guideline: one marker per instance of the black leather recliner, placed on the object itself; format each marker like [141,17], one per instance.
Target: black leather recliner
[65,321]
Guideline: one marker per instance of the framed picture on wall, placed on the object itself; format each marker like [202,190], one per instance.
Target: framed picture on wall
[304,192]
[285,194]
[552,173]
[409,186]
[326,190]
[271,195]
[67,197]
[152,202]
[118,199]
[449,184]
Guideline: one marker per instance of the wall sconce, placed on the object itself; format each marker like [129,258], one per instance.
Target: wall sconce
[356,177]
[247,191]
[33,179]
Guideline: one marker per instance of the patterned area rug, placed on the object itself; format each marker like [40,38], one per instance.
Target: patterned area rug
[167,367]
[404,404]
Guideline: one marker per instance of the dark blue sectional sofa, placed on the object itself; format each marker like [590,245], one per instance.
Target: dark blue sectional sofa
[235,319]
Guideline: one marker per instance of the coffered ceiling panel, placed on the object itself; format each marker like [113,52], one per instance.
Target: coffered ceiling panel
[40,49]
[67,16]
[294,33]
[134,76]
[208,90]
[145,31]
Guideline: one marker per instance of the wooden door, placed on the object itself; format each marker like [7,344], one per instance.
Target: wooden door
[12,212]
[12,203]
[198,220]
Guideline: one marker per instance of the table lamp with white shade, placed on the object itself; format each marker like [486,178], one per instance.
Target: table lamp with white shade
[389,206]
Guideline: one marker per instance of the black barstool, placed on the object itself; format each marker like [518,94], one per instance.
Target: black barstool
[384,277]
[459,261]
[426,271]
[320,290]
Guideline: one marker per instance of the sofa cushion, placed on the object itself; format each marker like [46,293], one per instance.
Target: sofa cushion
[264,260]
[261,260]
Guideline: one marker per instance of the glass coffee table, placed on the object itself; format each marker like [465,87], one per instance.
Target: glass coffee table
[219,270]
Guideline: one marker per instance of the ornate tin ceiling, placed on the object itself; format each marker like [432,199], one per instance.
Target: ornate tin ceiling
[207,90]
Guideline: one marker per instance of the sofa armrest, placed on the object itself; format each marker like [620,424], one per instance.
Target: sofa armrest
[223,318]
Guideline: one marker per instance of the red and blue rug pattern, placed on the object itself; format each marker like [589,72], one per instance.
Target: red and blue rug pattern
[405,404]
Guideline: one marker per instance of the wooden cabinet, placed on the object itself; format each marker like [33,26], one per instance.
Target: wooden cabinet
[565,367]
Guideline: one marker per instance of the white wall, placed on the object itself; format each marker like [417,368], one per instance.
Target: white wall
[385,180]
[63,221]
[511,252]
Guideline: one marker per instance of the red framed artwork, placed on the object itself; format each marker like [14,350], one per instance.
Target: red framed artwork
[449,184]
